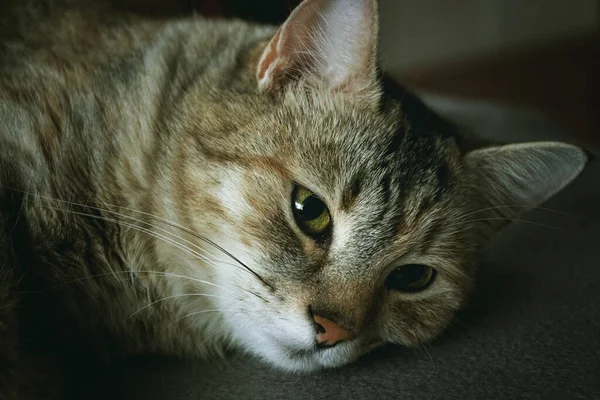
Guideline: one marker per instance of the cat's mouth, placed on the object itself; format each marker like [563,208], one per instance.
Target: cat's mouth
[315,357]
[300,353]
[311,358]
[296,350]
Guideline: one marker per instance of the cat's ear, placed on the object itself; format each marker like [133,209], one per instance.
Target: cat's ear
[329,43]
[514,178]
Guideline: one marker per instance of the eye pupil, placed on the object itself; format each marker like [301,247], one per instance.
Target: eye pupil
[310,213]
[410,278]
[311,209]
[412,273]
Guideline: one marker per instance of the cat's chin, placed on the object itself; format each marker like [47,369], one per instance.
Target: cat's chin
[308,360]
[292,347]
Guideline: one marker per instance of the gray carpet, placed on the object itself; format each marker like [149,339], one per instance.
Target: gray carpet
[532,330]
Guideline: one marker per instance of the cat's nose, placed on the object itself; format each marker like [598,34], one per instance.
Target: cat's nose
[329,333]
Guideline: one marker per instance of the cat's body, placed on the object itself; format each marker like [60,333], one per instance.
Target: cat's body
[131,149]
[127,98]
[124,86]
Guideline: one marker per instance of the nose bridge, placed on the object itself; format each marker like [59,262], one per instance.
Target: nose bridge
[342,301]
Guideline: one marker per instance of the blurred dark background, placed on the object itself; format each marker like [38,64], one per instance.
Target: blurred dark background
[542,54]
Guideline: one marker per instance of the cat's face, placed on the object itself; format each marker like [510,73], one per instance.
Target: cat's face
[347,216]
[349,227]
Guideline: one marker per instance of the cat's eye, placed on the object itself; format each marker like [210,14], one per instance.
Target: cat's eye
[410,278]
[310,212]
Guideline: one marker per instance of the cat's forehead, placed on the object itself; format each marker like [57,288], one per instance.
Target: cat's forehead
[346,151]
[378,174]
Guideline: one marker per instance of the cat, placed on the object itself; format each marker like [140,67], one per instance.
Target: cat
[187,186]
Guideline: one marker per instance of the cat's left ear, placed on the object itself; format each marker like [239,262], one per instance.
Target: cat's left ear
[514,178]
[326,43]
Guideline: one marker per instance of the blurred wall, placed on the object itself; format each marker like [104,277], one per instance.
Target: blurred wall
[418,33]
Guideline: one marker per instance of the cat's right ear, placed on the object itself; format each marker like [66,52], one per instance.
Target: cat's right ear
[514,178]
[326,43]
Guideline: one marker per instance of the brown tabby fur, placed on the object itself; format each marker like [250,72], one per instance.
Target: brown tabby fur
[126,143]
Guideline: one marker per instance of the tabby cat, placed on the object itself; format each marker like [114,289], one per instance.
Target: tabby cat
[188,186]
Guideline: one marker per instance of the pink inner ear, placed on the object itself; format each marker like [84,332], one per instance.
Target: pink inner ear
[330,43]
[269,56]
[290,45]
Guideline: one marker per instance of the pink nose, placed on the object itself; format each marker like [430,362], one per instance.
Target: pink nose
[329,333]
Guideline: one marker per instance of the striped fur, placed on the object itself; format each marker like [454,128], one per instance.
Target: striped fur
[146,193]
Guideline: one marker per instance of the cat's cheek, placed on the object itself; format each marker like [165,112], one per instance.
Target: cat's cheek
[414,322]
[252,335]
[264,323]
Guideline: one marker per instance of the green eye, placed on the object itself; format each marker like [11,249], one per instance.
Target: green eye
[410,278]
[311,214]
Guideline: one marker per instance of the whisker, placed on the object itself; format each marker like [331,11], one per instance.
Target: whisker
[159,273]
[175,297]
[521,206]
[207,338]
[514,220]
[161,237]
[196,313]
[435,370]
[166,221]
[207,311]
[457,322]
[201,256]
[138,228]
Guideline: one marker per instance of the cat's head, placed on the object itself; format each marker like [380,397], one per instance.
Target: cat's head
[354,226]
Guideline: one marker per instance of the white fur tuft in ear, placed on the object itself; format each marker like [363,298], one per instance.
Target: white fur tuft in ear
[524,175]
[327,43]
